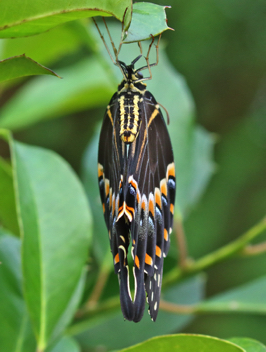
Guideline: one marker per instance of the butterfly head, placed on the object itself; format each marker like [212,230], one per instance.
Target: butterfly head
[132,77]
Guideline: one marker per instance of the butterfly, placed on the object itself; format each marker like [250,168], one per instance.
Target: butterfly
[136,177]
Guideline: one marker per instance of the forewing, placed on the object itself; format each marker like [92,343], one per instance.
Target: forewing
[109,169]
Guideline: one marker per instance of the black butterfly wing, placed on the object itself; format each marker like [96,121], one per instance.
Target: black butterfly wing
[153,171]
[112,163]
[137,186]
[108,164]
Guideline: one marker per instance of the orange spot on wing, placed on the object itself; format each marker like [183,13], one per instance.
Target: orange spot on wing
[151,206]
[163,187]
[103,208]
[130,212]
[113,207]
[171,170]
[172,208]
[158,197]
[158,252]
[117,258]
[133,183]
[137,261]
[148,259]
[165,235]
[100,170]
[107,188]
[110,199]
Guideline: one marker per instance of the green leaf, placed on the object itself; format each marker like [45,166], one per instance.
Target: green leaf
[101,243]
[66,344]
[56,226]
[249,345]
[147,20]
[100,330]
[16,334]
[248,298]
[184,343]
[47,47]
[20,66]
[214,225]
[83,85]
[201,169]
[8,213]
[39,16]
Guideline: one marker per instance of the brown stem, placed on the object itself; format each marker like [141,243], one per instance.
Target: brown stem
[97,290]
[176,308]
[254,249]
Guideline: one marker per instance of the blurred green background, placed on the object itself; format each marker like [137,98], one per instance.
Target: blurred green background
[219,46]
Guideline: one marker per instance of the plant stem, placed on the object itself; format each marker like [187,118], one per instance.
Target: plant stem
[101,310]
[98,288]
[230,249]
[255,249]
[176,308]
[217,256]
[175,275]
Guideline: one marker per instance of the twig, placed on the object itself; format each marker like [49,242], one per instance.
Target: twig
[176,308]
[255,249]
[97,290]
[228,250]
[174,276]
[217,256]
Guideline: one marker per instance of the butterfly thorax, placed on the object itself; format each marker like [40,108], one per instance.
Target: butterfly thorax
[130,99]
